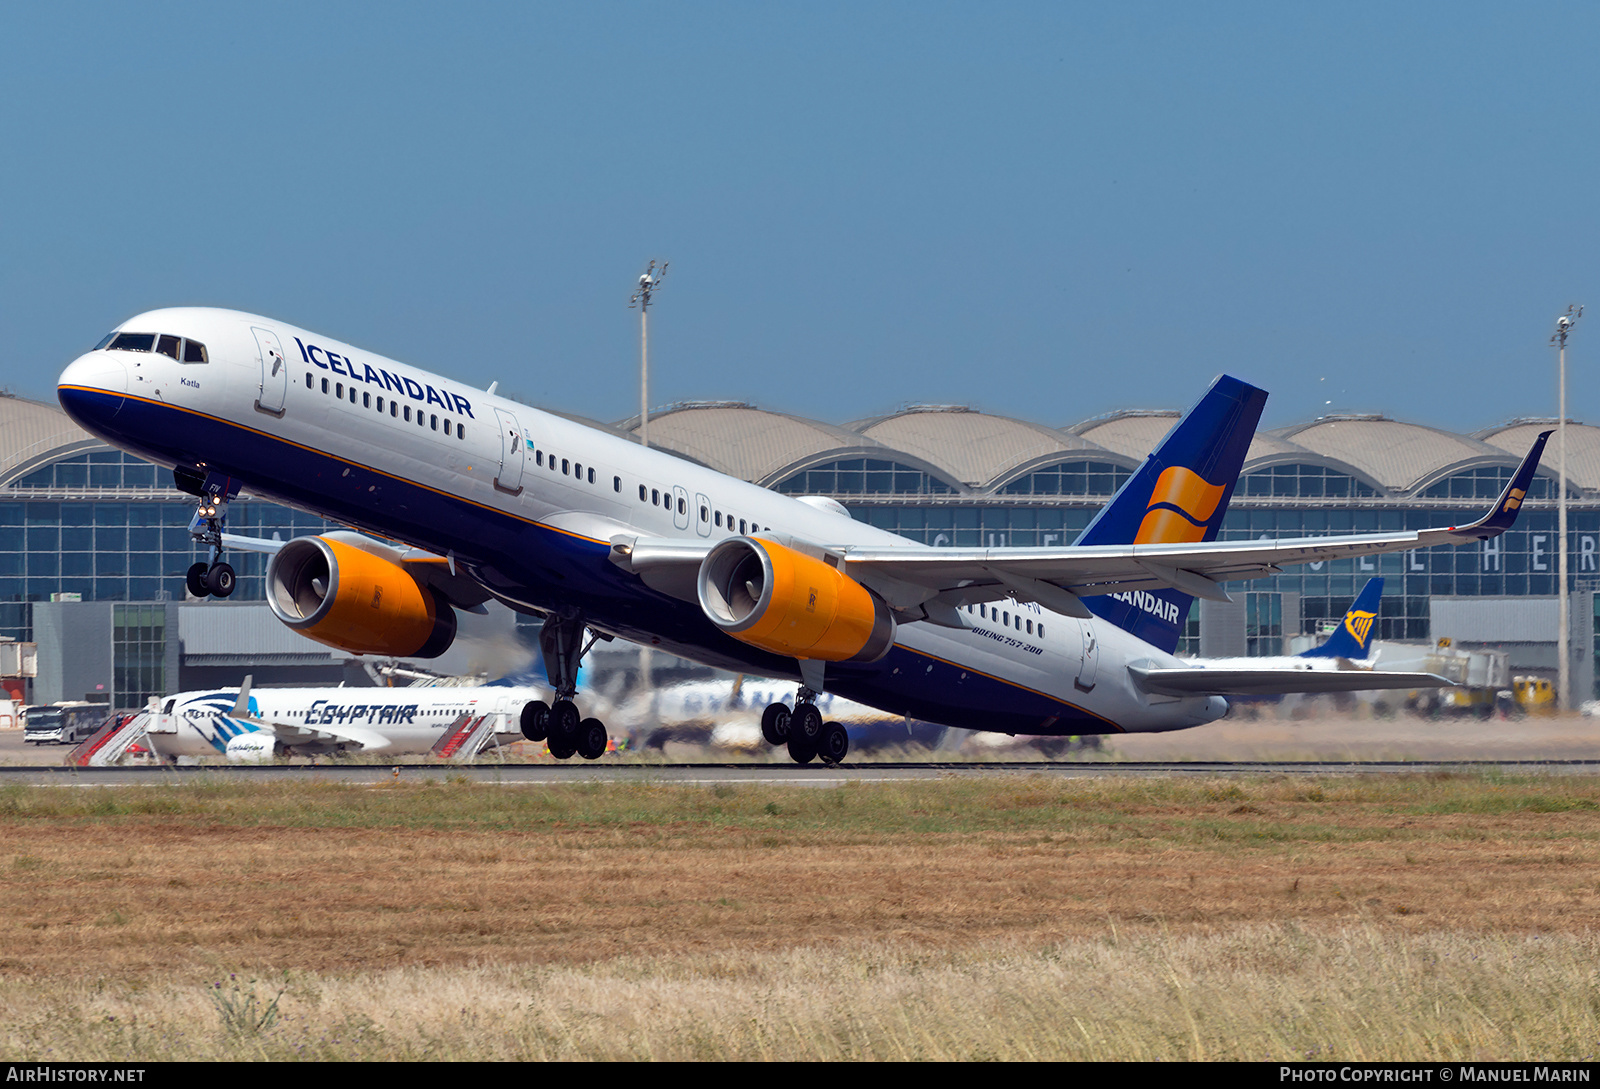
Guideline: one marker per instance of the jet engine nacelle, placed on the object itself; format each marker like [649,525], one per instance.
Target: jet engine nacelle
[251,748]
[340,595]
[775,598]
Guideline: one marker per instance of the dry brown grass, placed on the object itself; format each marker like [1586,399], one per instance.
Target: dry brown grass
[608,902]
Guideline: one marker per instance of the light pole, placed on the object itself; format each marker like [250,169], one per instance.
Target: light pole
[1563,637]
[648,283]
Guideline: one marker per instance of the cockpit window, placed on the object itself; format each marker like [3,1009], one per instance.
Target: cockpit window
[132,342]
[194,352]
[104,341]
[168,345]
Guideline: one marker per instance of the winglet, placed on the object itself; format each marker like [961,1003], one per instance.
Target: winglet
[1504,512]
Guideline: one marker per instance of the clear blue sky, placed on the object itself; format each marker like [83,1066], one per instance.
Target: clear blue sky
[1049,211]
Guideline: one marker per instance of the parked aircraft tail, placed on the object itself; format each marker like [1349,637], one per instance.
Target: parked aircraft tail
[1178,495]
[1353,637]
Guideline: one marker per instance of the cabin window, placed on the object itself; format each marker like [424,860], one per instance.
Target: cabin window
[408,414]
[719,519]
[352,395]
[591,474]
[1041,631]
[616,484]
[338,390]
[308,381]
[565,470]
[366,400]
[643,498]
[655,497]
[394,408]
[422,418]
[705,515]
[380,405]
[461,431]
[741,527]
[433,423]
[1030,627]
[683,507]
[577,471]
[324,385]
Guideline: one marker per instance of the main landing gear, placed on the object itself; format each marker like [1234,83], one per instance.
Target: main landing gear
[803,731]
[560,726]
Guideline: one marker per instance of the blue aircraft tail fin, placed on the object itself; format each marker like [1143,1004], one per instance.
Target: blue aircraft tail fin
[1353,637]
[1178,495]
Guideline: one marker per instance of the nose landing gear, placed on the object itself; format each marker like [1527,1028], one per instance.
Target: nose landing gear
[217,578]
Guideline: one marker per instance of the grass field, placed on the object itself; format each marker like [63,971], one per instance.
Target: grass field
[1446,917]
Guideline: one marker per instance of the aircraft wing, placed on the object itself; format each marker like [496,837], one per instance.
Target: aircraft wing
[930,583]
[1228,681]
[1056,578]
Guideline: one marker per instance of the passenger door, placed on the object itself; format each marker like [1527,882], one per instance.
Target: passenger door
[513,452]
[1091,656]
[680,506]
[274,372]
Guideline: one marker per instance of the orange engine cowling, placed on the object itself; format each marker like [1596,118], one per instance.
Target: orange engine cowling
[775,598]
[338,594]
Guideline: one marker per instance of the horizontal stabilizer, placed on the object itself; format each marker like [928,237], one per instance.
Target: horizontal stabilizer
[1275,682]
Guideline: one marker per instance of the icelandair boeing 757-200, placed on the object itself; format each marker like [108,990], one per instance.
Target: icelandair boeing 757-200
[476,497]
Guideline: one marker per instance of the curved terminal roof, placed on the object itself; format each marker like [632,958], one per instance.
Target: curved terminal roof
[1399,457]
[1131,434]
[1583,448]
[974,447]
[33,434]
[749,442]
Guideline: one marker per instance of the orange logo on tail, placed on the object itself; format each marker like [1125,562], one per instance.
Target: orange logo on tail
[1180,505]
[1514,500]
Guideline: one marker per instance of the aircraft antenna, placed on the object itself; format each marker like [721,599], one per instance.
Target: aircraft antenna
[648,284]
[1558,340]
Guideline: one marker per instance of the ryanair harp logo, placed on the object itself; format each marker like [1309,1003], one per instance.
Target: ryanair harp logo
[1181,504]
[1514,500]
[1359,624]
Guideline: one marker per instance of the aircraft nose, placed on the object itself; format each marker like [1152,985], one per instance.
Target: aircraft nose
[93,388]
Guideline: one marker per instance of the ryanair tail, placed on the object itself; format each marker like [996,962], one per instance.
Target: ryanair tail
[1178,496]
[1353,638]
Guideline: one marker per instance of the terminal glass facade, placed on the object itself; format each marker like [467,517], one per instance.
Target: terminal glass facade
[109,527]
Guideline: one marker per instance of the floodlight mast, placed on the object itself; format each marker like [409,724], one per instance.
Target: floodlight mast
[1558,340]
[648,283]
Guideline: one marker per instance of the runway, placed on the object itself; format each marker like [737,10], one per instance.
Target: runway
[754,774]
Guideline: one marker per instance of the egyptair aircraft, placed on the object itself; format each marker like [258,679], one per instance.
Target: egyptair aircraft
[249,725]
[479,497]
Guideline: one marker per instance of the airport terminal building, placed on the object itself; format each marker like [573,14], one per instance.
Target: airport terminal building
[94,544]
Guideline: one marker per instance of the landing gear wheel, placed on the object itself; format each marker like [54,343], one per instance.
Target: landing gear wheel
[807,723]
[563,728]
[833,743]
[220,580]
[801,748]
[197,580]
[592,739]
[536,720]
[775,724]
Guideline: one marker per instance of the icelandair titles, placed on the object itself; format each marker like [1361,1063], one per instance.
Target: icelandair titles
[365,372]
[1142,599]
